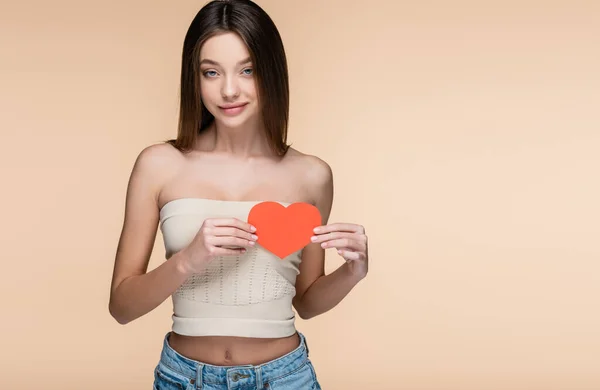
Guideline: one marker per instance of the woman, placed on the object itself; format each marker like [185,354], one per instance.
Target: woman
[233,323]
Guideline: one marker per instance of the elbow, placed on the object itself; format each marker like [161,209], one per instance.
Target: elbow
[305,315]
[119,317]
[302,311]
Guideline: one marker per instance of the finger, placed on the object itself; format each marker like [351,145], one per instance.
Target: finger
[235,222]
[221,241]
[331,236]
[232,231]
[343,243]
[340,227]
[350,255]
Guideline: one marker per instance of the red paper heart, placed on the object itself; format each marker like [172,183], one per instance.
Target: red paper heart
[284,230]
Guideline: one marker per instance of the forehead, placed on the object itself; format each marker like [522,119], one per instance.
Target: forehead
[226,48]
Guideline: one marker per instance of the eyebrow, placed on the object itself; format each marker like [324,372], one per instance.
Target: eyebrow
[208,61]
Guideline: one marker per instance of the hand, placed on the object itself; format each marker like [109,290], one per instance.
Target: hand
[350,241]
[217,237]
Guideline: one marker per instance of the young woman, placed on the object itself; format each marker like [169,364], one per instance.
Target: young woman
[233,322]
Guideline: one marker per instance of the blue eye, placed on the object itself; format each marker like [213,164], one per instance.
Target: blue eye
[248,71]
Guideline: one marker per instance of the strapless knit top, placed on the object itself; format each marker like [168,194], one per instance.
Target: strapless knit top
[246,295]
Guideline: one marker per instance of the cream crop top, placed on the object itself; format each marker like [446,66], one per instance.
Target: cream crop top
[247,295]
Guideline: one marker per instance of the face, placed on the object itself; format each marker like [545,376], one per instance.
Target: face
[227,82]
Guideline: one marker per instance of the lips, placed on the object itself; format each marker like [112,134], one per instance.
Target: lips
[233,110]
[233,106]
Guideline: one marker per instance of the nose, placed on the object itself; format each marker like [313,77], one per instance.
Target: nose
[230,88]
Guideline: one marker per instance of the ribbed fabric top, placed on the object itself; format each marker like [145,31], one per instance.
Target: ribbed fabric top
[247,295]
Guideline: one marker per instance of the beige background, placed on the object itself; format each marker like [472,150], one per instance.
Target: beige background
[463,135]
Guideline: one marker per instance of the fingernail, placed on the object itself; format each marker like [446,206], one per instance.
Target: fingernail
[317,230]
[251,242]
[254,237]
[313,238]
[324,244]
[252,228]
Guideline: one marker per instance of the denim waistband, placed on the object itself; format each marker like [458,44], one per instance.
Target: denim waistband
[200,372]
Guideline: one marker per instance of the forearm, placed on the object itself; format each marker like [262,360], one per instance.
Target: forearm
[326,292]
[140,294]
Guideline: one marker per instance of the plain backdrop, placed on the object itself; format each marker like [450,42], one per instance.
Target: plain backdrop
[464,135]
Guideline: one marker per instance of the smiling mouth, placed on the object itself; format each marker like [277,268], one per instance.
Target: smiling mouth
[232,107]
[233,111]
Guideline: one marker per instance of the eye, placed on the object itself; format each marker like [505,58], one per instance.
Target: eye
[248,69]
[206,74]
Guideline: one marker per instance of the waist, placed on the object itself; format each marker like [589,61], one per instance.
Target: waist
[218,351]
[271,319]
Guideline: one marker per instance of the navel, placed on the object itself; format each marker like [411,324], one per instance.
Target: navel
[228,355]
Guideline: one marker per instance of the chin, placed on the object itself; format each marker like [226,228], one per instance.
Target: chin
[232,121]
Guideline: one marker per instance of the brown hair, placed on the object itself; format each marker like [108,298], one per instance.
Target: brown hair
[259,33]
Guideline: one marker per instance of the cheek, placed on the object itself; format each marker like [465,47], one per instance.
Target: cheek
[209,93]
[255,90]
[249,88]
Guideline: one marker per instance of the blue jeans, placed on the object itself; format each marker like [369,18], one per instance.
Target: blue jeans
[293,371]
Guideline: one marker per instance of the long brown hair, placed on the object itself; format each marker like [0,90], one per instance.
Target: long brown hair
[252,24]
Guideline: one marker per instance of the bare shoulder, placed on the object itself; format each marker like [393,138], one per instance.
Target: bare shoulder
[317,171]
[158,159]
[155,164]
[316,175]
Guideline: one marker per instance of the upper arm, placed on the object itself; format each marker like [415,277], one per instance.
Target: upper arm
[141,216]
[312,265]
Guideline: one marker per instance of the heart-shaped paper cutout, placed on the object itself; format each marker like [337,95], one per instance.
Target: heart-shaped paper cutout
[284,230]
